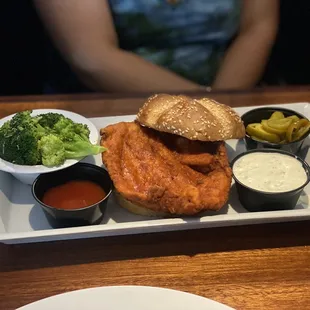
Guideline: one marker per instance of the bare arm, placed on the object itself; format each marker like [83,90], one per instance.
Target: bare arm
[245,60]
[83,31]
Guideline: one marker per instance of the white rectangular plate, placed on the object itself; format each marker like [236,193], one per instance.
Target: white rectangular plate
[23,221]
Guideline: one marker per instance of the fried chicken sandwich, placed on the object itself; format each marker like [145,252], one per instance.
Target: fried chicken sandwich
[172,159]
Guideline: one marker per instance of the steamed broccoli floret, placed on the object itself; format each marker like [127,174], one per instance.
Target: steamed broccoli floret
[56,150]
[76,139]
[82,148]
[82,130]
[77,146]
[19,145]
[66,126]
[52,150]
[48,120]
[63,127]
[18,140]
[6,130]
[23,120]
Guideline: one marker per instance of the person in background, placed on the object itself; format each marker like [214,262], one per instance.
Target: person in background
[163,45]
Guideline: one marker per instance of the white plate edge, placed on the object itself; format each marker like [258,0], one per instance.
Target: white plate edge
[138,289]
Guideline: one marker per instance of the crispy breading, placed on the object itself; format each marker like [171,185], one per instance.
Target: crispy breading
[165,173]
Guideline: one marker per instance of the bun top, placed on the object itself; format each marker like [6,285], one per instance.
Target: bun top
[195,119]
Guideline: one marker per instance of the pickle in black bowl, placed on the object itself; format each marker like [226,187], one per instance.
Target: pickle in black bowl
[277,128]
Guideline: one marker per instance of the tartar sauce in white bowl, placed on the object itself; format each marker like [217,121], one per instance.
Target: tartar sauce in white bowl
[270,172]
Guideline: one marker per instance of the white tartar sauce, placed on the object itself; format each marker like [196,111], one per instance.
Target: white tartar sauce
[270,172]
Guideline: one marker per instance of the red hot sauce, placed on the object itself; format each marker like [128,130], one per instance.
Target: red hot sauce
[72,195]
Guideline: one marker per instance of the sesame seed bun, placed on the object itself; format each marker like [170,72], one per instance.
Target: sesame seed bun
[195,119]
[138,209]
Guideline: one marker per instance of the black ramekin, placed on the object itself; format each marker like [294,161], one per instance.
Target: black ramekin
[257,115]
[255,200]
[91,215]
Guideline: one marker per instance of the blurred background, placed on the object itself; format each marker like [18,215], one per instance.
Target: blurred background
[24,62]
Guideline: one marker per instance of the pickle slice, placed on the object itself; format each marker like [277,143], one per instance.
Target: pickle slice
[302,123]
[277,115]
[301,131]
[281,124]
[293,130]
[256,129]
[290,130]
[295,118]
[266,127]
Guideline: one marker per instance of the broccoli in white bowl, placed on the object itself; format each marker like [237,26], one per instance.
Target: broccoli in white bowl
[45,140]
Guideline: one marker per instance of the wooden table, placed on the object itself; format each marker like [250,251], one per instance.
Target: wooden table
[246,267]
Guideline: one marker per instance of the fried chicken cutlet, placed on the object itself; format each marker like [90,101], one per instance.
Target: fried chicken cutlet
[166,173]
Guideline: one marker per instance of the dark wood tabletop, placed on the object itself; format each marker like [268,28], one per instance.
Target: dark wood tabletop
[263,266]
